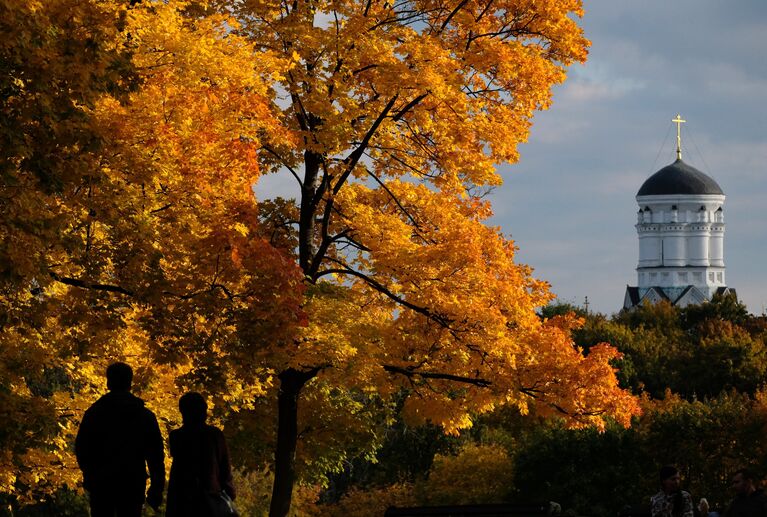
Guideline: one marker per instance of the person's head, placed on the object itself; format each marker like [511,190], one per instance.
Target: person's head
[119,377]
[743,482]
[194,409]
[670,481]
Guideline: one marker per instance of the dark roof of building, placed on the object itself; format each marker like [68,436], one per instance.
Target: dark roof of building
[633,294]
[659,290]
[726,290]
[679,178]
[686,290]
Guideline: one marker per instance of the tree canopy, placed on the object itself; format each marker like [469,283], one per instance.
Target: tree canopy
[136,234]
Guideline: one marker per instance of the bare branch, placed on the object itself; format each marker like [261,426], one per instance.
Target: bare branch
[355,156]
[410,373]
[76,282]
[410,105]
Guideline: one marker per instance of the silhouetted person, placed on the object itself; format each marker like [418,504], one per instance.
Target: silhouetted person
[671,501]
[118,438]
[749,501]
[201,469]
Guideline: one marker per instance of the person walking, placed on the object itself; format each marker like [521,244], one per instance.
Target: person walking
[671,501]
[117,440]
[200,483]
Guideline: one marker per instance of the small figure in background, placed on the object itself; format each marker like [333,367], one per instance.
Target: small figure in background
[749,501]
[671,501]
[703,507]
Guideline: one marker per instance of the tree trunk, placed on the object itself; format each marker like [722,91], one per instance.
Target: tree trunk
[291,383]
[307,210]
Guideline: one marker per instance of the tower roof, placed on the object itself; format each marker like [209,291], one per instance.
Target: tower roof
[679,178]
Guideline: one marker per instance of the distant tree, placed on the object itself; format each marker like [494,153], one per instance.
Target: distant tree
[653,352]
[587,472]
[721,307]
[561,309]
[707,439]
[478,473]
[661,315]
[725,357]
[597,474]
[698,351]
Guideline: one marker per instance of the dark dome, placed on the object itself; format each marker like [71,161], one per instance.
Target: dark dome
[679,178]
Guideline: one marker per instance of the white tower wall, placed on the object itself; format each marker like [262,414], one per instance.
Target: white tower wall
[681,242]
[649,249]
[674,246]
[716,246]
[699,245]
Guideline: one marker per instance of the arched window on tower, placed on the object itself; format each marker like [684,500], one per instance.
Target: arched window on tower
[719,215]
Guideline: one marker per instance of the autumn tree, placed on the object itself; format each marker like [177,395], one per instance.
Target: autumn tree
[382,277]
[129,227]
[56,60]
[400,112]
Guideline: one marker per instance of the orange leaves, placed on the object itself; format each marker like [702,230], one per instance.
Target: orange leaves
[464,336]
[465,79]
[583,389]
[139,238]
[437,250]
[381,277]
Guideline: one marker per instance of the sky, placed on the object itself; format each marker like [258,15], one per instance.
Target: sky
[569,203]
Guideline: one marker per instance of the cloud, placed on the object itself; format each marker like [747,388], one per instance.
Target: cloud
[590,90]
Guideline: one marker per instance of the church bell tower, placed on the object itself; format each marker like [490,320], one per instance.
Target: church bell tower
[680,225]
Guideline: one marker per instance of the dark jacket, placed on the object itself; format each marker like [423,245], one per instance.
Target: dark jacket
[752,505]
[200,466]
[118,438]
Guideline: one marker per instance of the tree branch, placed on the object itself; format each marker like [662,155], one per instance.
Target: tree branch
[455,11]
[410,105]
[75,282]
[482,383]
[354,157]
[345,270]
[284,163]
[394,198]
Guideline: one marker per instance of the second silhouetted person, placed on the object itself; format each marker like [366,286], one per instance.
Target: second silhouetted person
[201,475]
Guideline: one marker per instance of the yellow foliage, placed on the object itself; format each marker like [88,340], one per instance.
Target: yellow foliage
[374,501]
[140,244]
[478,474]
[255,490]
[130,229]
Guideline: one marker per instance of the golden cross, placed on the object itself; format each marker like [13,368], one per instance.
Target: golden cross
[678,121]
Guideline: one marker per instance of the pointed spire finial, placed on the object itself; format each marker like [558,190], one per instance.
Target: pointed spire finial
[678,121]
